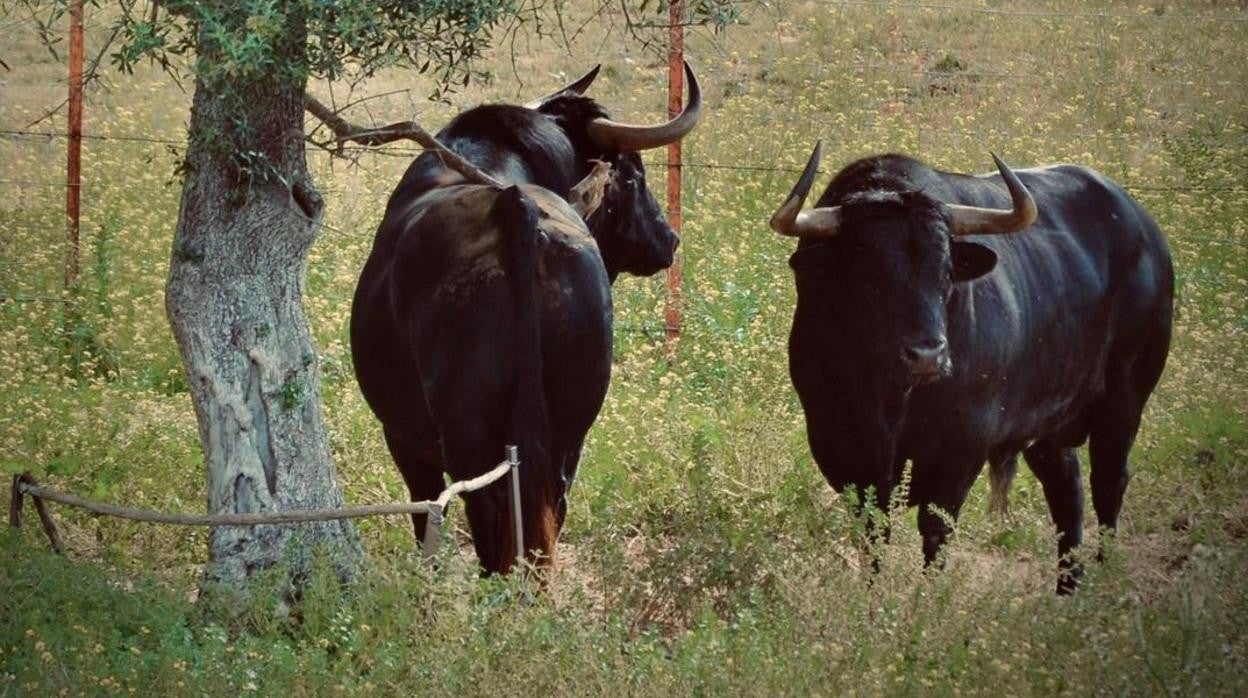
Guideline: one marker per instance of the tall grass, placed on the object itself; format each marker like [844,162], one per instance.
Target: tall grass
[703,551]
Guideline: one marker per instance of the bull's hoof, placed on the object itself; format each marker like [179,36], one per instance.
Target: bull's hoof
[1068,579]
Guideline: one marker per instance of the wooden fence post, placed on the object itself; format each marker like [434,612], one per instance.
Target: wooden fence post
[15,503]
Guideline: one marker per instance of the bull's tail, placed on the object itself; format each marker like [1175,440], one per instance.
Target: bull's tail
[517,215]
[1001,473]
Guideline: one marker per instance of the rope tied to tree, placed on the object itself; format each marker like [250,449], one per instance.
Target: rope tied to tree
[25,484]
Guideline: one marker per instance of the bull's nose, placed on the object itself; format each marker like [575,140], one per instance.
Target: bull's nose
[926,358]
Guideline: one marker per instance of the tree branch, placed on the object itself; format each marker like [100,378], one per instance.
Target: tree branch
[345,131]
[179,9]
[89,75]
[585,197]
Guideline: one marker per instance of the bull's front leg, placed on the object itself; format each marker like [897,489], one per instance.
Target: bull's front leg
[1057,469]
[939,491]
[872,508]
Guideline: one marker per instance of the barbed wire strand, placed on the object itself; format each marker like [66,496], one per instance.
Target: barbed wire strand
[705,165]
[1032,14]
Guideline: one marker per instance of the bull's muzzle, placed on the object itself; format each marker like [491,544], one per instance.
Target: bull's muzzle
[926,361]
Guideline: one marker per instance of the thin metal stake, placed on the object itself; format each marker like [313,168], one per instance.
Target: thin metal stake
[513,459]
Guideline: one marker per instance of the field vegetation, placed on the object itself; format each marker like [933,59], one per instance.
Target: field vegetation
[704,553]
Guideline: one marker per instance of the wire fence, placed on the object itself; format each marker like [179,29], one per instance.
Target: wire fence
[887,66]
[1135,187]
[1156,13]
[693,164]
[651,331]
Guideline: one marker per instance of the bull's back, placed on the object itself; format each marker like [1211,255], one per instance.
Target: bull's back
[435,315]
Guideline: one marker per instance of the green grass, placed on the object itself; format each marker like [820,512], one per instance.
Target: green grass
[703,553]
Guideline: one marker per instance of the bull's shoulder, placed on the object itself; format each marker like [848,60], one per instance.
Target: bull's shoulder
[1068,185]
[514,143]
[1080,200]
[1073,182]
[1089,232]
[1071,200]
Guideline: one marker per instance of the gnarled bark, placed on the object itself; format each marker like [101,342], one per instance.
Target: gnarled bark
[234,299]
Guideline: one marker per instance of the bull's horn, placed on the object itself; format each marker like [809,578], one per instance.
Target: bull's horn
[973,220]
[790,219]
[577,86]
[623,137]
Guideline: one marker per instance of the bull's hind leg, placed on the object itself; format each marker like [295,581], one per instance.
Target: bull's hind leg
[1114,424]
[1114,420]
[470,447]
[935,529]
[1057,469]
[1110,441]
[421,471]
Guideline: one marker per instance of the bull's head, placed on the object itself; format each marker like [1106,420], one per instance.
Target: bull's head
[882,264]
[629,226]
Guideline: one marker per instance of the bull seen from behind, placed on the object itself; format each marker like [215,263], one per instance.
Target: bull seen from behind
[951,320]
[483,314]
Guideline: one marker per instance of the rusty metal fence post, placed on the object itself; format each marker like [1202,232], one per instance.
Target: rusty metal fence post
[672,311]
[73,166]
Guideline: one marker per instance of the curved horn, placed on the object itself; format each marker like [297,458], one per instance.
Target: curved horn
[618,136]
[973,220]
[791,220]
[578,86]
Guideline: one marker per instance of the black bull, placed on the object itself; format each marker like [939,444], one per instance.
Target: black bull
[483,314]
[923,332]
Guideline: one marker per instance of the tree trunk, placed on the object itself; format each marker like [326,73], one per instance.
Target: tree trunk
[248,218]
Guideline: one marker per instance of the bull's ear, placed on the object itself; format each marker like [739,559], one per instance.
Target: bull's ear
[971,260]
